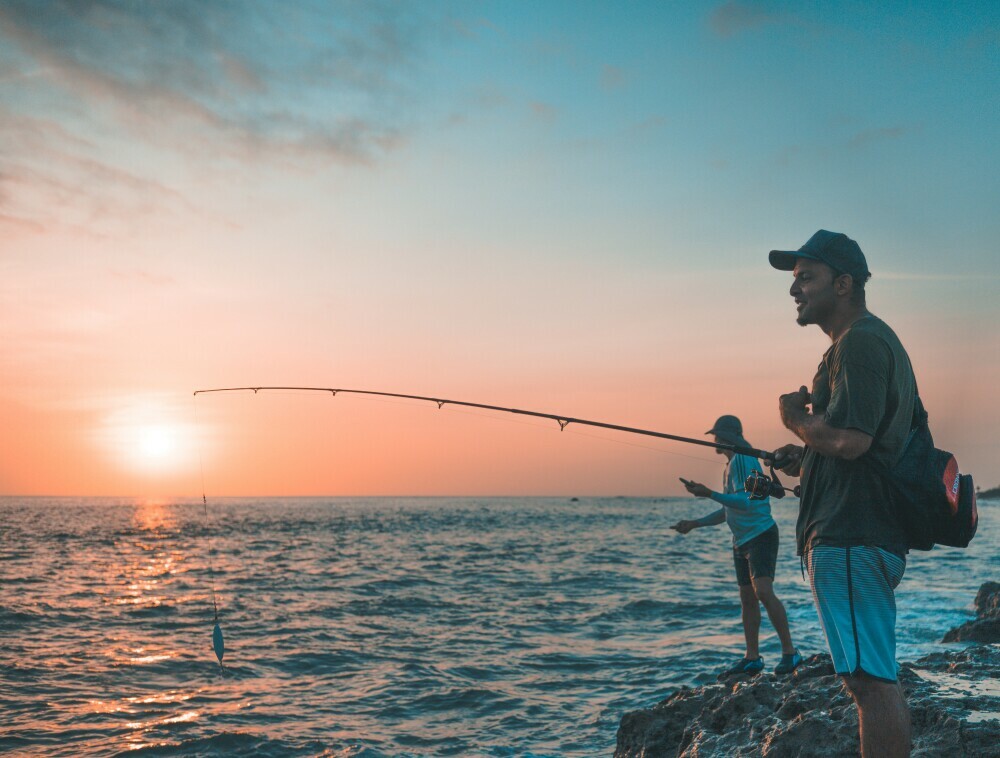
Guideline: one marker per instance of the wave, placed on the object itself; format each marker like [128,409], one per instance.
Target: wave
[224,744]
[12,620]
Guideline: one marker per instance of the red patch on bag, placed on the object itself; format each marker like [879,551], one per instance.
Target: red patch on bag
[951,483]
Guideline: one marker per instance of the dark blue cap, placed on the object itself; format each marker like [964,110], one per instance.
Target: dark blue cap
[836,250]
[730,429]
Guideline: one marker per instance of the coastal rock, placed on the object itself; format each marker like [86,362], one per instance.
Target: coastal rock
[986,626]
[953,696]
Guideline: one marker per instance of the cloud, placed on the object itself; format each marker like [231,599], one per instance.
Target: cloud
[909,276]
[791,154]
[138,276]
[45,167]
[223,84]
[472,29]
[543,111]
[734,17]
[866,137]
[331,72]
[612,78]
[984,39]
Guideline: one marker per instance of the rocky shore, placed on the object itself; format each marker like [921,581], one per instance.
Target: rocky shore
[954,699]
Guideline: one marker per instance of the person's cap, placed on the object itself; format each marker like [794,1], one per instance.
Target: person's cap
[836,250]
[729,429]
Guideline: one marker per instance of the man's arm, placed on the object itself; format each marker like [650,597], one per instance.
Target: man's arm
[827,440]
[719,517]
[737,500]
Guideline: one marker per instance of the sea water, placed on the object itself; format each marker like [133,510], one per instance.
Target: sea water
[387,626]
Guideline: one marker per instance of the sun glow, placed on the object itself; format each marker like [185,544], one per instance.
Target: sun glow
[147,437]
[156,444]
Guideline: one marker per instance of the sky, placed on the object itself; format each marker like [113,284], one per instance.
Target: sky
[558,206]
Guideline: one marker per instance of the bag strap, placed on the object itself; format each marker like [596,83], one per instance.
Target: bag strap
[918,421]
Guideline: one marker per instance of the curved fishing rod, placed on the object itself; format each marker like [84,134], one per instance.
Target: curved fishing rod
[758,484]
[563,421]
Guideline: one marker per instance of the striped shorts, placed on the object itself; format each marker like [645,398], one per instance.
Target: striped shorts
[853,590]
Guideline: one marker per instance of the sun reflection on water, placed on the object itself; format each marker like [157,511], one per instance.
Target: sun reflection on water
[142,582]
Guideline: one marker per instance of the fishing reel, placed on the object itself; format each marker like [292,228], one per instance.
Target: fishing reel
[760,486]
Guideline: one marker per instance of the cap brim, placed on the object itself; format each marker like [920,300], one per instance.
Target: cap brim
[784,260]
[732,439]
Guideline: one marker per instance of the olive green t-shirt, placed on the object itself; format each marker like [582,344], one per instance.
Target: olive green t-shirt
[864,382]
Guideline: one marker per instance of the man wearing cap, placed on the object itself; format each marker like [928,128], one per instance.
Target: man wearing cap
[861,411]
[755,548]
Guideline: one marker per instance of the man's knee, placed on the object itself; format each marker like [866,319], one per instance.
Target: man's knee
[863,687]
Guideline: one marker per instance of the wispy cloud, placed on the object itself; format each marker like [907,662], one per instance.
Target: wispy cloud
[910,276]
[45,167]
[221,83]
[209,64]
[735,17]
[543,111]
[791,154]
[612,78]
[868,136]
[137,276]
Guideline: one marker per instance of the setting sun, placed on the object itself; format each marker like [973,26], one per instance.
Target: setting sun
[157,445]
[148,436]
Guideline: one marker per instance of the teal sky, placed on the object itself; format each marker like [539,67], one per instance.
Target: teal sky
[529,203]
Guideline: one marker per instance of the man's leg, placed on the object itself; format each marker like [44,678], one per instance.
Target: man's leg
[764,589]
[853,589]
[751,620]
[883,717]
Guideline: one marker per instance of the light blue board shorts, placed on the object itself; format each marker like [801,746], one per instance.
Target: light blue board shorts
[853,590]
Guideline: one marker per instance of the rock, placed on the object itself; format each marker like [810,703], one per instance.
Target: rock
[986,626]
[953,696]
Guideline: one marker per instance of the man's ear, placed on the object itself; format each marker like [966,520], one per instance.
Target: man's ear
[843,284]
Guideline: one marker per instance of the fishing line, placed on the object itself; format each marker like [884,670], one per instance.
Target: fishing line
[218,642]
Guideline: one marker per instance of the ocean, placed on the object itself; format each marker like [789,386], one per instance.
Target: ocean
[387,626]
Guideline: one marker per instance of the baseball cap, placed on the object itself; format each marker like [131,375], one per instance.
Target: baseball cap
[835,249]
[730,429]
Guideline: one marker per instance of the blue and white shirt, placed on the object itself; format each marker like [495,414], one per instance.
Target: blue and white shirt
[746,518]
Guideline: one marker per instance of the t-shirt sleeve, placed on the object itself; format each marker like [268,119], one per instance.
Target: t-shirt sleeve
[859,379]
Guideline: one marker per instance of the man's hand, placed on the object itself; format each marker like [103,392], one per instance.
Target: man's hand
[788,459]
[696,489]
[792,407]
[684,526]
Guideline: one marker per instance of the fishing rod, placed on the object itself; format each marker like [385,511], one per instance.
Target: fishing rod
[758,485]
[563,421]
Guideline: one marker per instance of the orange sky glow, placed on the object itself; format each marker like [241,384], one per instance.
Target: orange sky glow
[492,210]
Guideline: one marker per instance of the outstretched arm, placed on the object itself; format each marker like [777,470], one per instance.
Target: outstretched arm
[737,500]
[719,517]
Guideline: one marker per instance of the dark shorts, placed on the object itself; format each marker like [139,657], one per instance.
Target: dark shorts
[757,557]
